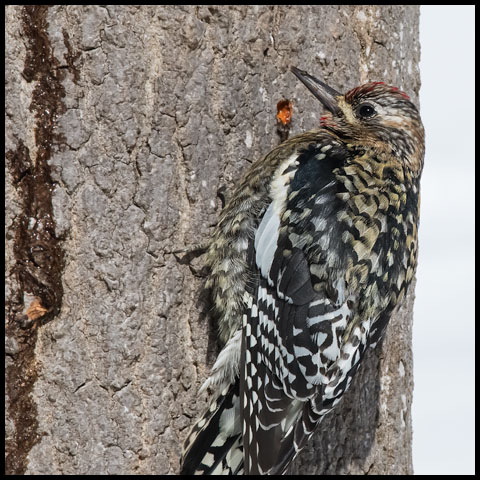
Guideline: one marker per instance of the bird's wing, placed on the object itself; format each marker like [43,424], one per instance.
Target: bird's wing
[292,329]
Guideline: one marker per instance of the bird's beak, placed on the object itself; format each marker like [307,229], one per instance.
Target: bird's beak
[322,91]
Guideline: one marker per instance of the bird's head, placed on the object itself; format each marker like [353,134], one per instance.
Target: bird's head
[373,115]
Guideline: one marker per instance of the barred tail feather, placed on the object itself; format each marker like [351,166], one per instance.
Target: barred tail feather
[214,446]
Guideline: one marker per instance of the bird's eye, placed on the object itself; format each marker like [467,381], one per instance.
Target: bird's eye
[366,111]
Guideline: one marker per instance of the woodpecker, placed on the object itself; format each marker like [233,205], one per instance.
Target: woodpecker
[311,254]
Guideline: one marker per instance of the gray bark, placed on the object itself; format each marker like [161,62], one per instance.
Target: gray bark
[122,122]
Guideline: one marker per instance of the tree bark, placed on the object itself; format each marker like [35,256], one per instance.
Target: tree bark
[122,123]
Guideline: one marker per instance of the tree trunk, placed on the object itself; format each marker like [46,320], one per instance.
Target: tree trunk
[122,123]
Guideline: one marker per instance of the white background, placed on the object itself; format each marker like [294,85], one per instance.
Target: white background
[443,334]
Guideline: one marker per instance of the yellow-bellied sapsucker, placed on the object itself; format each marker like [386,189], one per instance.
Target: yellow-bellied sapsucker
[314,250]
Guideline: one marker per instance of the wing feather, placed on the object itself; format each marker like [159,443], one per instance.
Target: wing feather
[292,334]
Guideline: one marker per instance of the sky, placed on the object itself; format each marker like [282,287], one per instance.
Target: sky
[443,334]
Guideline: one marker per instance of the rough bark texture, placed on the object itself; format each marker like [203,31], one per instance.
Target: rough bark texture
[122,122]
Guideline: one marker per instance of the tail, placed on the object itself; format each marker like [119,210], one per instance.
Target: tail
[214,446]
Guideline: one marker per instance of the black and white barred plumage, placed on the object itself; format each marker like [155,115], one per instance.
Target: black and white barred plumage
[314,250]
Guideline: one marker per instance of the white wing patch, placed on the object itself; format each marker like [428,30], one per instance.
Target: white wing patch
[266,241]
[266,237]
